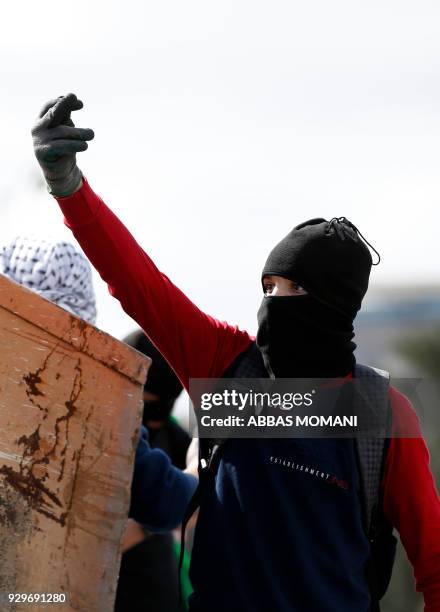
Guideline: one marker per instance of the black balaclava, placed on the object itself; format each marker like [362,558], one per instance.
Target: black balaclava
[311,335]
[161,380]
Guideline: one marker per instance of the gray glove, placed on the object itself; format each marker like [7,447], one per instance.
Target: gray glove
[56,142]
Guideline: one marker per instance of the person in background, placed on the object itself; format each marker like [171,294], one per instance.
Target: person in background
[148,574]
[160,394]
[54,269]
[59,272]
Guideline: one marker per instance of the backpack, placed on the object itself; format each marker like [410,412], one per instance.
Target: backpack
[371,458]
[371,455]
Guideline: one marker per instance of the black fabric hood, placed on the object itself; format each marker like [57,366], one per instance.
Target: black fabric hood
[328,258]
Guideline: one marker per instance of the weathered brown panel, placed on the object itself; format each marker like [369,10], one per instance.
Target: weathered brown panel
[70,405]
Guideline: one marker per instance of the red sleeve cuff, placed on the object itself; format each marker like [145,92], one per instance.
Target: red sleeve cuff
[81,207]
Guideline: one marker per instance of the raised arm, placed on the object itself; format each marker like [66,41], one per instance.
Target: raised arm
[195,344]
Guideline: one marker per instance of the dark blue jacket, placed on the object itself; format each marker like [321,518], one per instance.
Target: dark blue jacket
[280,530]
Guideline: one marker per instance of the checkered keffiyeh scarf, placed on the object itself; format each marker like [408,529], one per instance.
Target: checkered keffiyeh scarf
[55,270]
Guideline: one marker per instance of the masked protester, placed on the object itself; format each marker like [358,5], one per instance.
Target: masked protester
[280,524]
[147,578]
[160,394]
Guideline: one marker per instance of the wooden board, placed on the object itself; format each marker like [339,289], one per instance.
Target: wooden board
[70,408]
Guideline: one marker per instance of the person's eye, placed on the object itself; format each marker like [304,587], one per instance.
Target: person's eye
[268,288]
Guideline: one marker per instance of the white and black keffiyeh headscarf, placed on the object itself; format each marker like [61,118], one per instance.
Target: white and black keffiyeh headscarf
[56,270]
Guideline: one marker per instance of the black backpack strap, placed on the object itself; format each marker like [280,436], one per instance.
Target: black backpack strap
[371,455]
[209,459]
[372,450]
[248,364]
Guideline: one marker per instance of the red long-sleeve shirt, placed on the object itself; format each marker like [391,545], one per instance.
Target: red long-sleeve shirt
[199,346]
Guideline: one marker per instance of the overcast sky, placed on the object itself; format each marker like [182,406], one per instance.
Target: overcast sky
[219,126]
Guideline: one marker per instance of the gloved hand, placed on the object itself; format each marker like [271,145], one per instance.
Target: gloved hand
[56,142]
